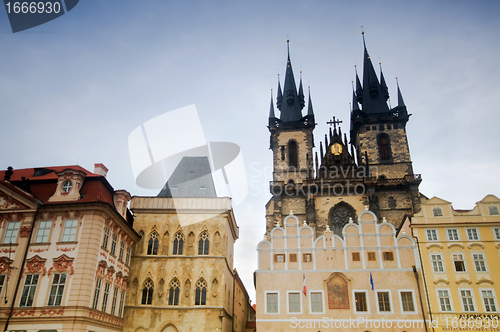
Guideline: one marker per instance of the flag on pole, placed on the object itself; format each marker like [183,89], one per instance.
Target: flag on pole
[371,280]
[304,283]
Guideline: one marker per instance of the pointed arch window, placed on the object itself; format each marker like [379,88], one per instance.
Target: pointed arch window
[203,244]
[153,244]
[293,155]
[173,292]
[178,243]
[383,147]
[339,216]
[201,293]
[147,292]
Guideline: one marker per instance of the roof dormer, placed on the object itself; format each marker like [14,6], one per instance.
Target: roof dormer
[68,185]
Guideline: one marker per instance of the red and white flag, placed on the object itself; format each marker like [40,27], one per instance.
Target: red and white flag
[304,283]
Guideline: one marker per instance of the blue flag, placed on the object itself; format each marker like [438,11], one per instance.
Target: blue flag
[371,280]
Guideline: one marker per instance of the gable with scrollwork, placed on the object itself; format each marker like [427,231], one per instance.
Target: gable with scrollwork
[9,203]
[5,264]
[36,264]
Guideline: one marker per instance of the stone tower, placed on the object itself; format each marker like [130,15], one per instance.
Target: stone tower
[373,169]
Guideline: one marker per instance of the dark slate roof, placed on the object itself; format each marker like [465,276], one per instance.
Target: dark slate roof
[191,178]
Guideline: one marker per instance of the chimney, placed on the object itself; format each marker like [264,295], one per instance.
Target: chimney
[100,169]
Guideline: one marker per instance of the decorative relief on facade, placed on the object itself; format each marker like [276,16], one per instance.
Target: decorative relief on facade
[101,268]
[65,249]
[36,264]
[338,292]
[24,231]
[52,312]
[8,251]
[5,264]
[63,263]
[21,313]
[39,250]
[105,317]
[7,202]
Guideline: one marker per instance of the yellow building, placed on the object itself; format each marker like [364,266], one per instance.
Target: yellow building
[460,254]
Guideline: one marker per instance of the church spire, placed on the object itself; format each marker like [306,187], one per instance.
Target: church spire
[279,99]
[301,93]
[400,96]
[310,104]
[290,108]
[271,110]
[385,90]
[355,105]
[359,89]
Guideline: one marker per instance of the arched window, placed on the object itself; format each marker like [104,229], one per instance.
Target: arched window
[293,156]
[383,147]
[201,293]
[173,292]
[203,244]
[147,292]
[178,243]
[153,244]
[339,216]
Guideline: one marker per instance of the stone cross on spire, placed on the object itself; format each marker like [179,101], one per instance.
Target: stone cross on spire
[334,123]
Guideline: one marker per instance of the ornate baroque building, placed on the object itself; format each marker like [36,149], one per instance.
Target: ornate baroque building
[66,243]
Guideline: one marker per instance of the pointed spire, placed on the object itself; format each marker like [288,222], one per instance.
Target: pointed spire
[359,89]
[400,96]
[291,107]
[310,105]
[326,139]
[301,93]
[385,90]
[355,105]
[331,134]
[316,161]
[271,110]
[345,139]
[279,99]
[340,132]
[321,150]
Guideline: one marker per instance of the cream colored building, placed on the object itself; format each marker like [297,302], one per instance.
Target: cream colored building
[66,242]
[460,250]
[337,274]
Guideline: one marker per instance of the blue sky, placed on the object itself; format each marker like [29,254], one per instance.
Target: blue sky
[73,89]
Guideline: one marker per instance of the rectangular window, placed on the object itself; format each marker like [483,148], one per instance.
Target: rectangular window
[371,256]
[452,234]
[307,257]
[129,251]
[2,280]
[11,232]
[384,305]
[432,234]
[69,232]
[272,303]
[479,262]
[407,302]
[444,300]
[458,262]
[42,235]
[489,301]
[360,299]
[57,289]
[122,249]
[113,243]
[29,289]
[497,233]
[97,292]
[293,302]
[106,237]
[388,256]
[293,258]
[279,258]
[355,257]
[113,302]
[437,263]
[467,301]
[122,301]
[493,210]
[316,302]
[105,296]
[472,234]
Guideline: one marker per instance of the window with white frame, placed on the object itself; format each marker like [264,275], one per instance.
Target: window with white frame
[458,262]
[493,210]
[113,302]
[479,262]
[66,187]
[97,292]
[127,260]
[496,231]
[316,302]
[57,289]
[488,300]
[105,240]
[122,301]
[444,300]
[467,300]
[472,234]
[10,235]
[113,243]
[69,231]
[452,234]
[29,289]
[407,301]
[437,263]
[272,303]
[107,287]
[384,302]
[361,302]
[432,234]
[437,212]
[122,249]
[43,232]
[293,302]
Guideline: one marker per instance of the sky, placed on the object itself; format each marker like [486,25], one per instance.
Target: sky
[72,90]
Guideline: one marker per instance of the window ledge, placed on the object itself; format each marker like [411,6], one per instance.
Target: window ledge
[7,245]
[66,242]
